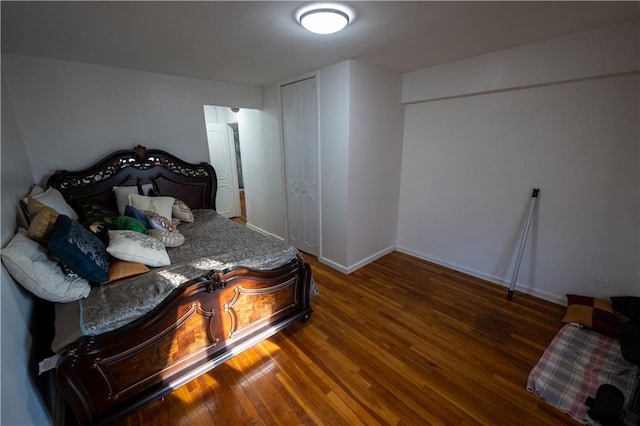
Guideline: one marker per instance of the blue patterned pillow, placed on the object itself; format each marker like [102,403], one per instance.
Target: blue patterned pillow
[131,211]
[80,249]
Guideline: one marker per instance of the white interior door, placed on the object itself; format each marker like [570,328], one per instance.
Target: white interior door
[222,156]
[301,163]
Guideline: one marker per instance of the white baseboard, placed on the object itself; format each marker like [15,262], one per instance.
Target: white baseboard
[370,259]
[359,264]
[333,264]
[262,231]
[555,298]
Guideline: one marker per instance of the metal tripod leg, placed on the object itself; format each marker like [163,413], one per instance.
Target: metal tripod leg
[514,277]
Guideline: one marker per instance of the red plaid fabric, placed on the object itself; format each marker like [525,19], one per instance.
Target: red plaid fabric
[575,364]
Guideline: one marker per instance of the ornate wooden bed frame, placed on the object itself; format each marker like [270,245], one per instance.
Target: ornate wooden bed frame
[202,324]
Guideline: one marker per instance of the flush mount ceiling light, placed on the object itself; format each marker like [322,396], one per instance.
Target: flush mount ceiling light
[324,18]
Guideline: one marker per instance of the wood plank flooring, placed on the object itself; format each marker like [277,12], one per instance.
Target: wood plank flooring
[400,341]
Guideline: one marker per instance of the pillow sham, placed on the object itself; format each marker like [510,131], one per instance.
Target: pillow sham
[181,211]
[161,205]
[50,198]
[123,192]
[136,247]
[593,313]
[80,249]
[29,265]
[158,222]
[41,225]
[130,223]
[169,239]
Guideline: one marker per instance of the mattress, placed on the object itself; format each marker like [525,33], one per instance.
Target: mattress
[575,364]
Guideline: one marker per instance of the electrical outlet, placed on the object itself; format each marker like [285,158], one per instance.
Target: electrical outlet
[601,282]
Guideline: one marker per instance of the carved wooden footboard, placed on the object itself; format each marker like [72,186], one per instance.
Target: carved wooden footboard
[211,319]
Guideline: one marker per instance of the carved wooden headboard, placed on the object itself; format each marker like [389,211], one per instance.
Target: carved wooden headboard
[195,184]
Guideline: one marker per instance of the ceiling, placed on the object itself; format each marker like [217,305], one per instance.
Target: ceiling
[259,43]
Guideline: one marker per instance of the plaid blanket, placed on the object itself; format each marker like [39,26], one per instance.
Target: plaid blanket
[577,361]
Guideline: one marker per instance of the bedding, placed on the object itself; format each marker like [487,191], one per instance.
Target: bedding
[575,364]
[211,242]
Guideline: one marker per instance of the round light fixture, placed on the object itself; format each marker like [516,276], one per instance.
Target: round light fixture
[324,21]
[324,18]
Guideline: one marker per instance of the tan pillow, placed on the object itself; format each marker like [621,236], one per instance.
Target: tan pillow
[41,224]
[593,313]
[33,207]
[121,269]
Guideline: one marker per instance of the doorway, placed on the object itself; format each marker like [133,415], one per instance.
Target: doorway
[223,139]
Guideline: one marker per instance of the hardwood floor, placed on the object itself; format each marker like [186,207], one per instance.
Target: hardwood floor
[400,341]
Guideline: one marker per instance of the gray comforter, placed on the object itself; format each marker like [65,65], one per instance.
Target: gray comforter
[212,243]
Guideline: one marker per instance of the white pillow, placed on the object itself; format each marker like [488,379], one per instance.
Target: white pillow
[137,247]
[36,190]
[122,194]
[28,264]
[161,205]
[54,199]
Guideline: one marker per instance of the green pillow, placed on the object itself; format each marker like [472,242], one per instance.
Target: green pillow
[130,223]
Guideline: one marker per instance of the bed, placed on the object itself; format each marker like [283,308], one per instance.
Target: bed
[198,312]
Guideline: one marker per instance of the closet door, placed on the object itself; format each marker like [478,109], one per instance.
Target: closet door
[301,163]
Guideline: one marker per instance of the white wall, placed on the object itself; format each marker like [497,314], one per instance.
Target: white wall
[360,143]
[603,51]
[71,114]
[21,402]
[375,150]
[333,140]
[262,159]
[469,164]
